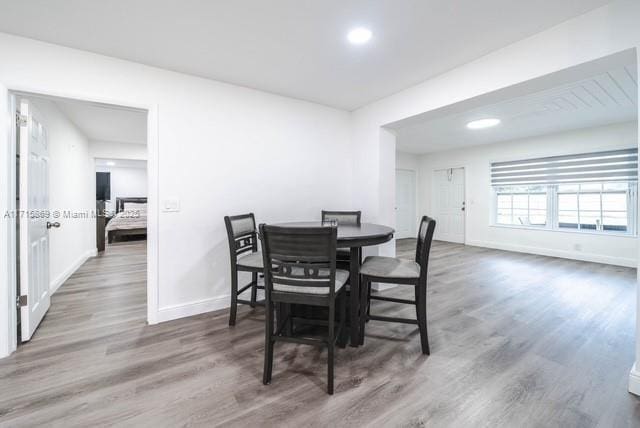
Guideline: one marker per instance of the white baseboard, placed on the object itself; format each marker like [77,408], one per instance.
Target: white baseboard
[173,312]
[57,282]
[573,255]
[634,381]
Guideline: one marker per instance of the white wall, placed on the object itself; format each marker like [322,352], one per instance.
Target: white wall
[70,190]
[117,150]
[125,182]
[620,250]
[223,149]
[408,161]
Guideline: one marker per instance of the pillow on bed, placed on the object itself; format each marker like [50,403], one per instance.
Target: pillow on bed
[135,206]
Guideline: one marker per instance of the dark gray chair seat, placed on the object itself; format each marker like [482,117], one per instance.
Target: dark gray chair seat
[341,278]
[390,267]
[253,260]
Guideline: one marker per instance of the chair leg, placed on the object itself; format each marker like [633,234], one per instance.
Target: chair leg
[278,315]
[332,344]
[421,314]
[364,303]
[342,340]
[234,297]
[354,303]
[368,300]
[288,319]
[268,344]
[254,289]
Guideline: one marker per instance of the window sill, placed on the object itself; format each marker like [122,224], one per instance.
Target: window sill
[579,232]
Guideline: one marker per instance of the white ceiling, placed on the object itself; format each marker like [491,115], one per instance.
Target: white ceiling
[603,94]
[100,122]
[293,47]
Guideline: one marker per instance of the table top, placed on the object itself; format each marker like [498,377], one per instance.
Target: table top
[351,235]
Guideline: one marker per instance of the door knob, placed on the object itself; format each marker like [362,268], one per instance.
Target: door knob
[50,225]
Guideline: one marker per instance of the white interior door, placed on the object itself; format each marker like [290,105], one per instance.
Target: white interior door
[405,203]
[450,204]
[34,233]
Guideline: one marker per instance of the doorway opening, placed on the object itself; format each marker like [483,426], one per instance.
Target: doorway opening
[70,263]
[545,167]
[405,203]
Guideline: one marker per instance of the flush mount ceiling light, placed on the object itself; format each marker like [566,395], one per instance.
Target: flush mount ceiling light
[483,123]
[359,36]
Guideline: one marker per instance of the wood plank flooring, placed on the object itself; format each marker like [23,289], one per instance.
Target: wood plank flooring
[517,340]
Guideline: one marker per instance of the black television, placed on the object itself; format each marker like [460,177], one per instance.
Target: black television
[103,186]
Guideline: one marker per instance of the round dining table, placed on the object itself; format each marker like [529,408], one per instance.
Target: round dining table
[353,237]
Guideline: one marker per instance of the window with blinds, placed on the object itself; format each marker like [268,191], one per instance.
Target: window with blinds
[594,192]
[610,166]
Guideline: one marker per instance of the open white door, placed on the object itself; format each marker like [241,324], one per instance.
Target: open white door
[33,221]
[405,203]
[450,204]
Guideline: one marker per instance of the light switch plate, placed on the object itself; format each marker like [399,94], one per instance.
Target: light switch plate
[170,205]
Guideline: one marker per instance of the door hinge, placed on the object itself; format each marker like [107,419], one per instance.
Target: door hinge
[21,301]
[21,119]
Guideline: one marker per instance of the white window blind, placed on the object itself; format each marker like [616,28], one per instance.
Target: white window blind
[609,166]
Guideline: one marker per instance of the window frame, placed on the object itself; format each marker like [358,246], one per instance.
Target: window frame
[547,224]
[552,223]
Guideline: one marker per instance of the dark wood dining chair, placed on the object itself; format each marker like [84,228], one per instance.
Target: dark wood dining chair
[245,257]
[399,271]
[301,270]
[342,218]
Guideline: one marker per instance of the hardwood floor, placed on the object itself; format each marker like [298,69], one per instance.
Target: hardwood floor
[517,340]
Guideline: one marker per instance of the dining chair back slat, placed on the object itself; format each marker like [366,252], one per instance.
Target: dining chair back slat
[342,217]
[423,246]
[304,257]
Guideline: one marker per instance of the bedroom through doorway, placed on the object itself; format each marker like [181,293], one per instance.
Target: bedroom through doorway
[81,218]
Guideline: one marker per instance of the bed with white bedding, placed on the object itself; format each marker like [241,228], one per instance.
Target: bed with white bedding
[130,219]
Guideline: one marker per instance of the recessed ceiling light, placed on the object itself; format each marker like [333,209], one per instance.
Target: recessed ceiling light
[359,36]
[111,163]
[483,123]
